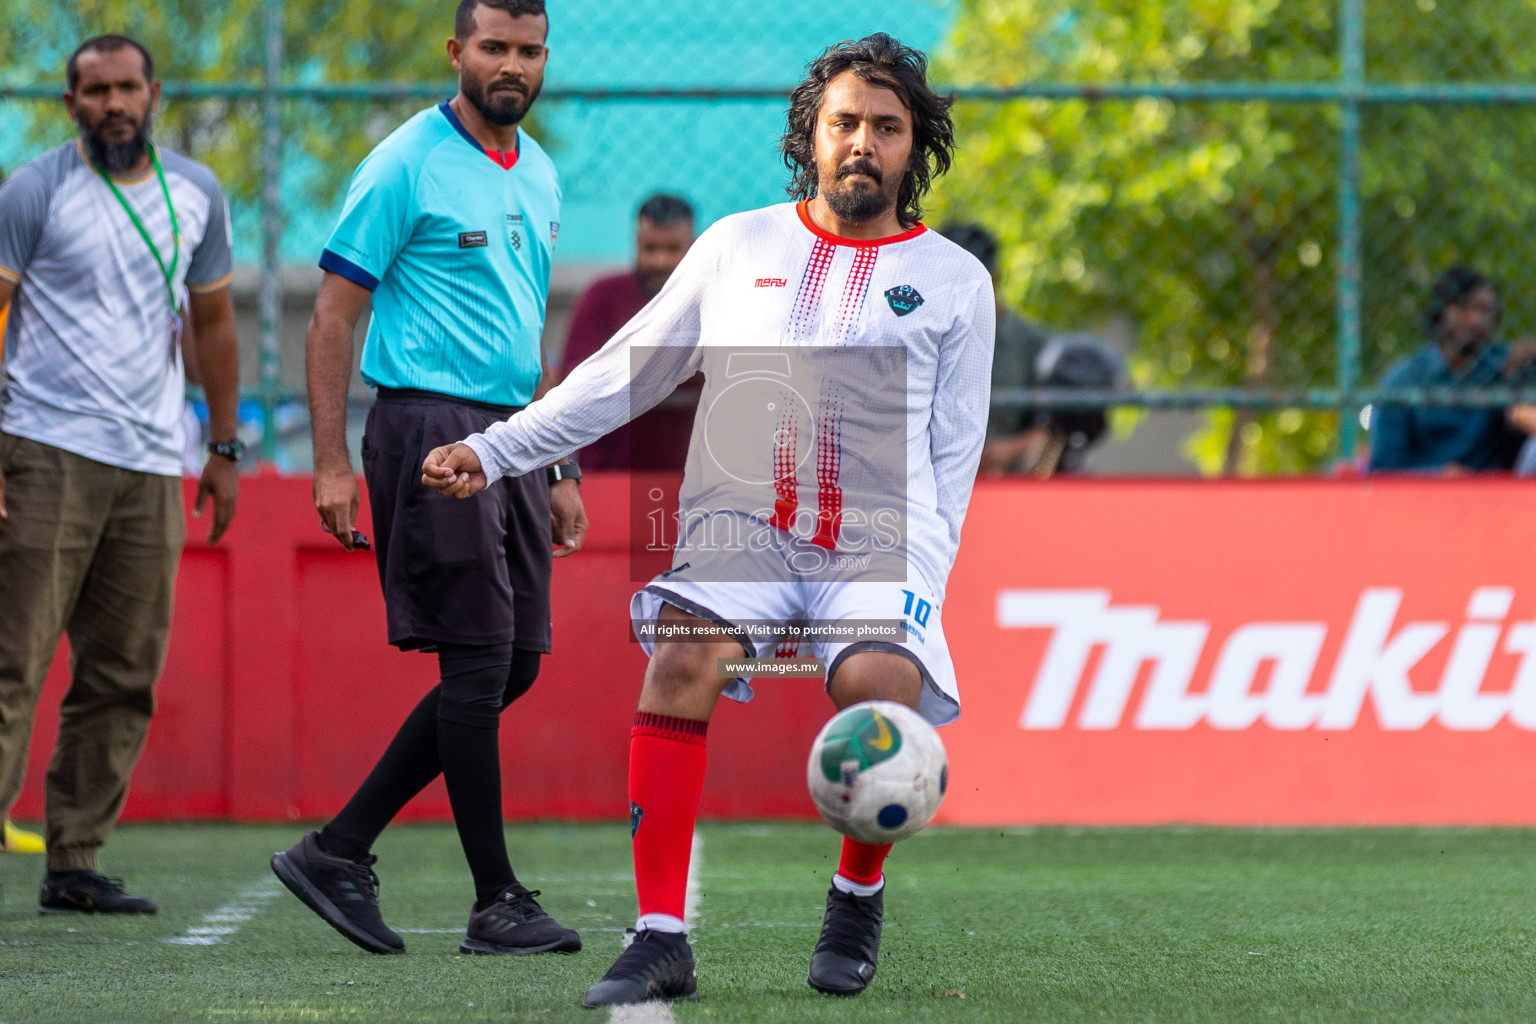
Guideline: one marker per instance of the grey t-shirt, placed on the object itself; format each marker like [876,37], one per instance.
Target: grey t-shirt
[91,361]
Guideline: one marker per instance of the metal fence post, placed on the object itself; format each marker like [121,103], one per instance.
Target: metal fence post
[271,294]
[1352,68]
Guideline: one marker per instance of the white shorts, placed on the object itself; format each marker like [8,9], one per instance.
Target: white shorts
[696,587]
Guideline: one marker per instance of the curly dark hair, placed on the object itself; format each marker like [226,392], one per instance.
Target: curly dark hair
[885,61]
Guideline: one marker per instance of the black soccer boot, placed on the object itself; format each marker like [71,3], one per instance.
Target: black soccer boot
[516,924]
[844,961]
[656,966]
[345,893]
[86,892]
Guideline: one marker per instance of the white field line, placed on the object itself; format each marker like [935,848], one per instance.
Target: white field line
[224,922]
[691,900]
[661,1013]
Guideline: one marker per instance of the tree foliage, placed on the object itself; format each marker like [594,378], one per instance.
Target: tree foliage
[324,41]
[1212,226]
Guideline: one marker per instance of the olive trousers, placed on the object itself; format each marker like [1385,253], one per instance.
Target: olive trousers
[89,551]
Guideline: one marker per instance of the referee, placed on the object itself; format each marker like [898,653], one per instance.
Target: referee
[449,227]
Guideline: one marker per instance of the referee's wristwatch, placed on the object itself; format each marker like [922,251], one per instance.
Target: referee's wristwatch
[563,471]
[231,450]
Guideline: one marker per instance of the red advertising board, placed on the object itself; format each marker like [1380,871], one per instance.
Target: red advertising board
[1286,652]
[1297,652]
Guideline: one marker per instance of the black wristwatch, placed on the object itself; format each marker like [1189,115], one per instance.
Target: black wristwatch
[231,450]
[563,471]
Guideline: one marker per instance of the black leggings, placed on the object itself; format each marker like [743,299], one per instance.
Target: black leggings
[479,683]
[452,732]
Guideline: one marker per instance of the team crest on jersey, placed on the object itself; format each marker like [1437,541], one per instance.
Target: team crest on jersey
[554,232]
[903,299]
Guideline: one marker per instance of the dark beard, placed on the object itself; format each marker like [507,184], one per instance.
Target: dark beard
[857,205]
[116,157]
[504,109]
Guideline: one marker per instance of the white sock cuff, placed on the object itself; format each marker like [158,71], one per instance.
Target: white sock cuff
[661,923]
[848,885]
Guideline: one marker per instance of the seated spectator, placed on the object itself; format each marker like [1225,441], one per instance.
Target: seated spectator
[663,234]
[1071,361]
[1013,437]
[1461,319]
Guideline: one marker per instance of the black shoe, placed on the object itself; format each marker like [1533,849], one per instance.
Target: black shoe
[345,893]
[86,892]
[515,923]
[844,961]
[656,966]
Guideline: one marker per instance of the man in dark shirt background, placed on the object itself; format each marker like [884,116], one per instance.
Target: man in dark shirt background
[1462,352]
[1015,438]
[664,229]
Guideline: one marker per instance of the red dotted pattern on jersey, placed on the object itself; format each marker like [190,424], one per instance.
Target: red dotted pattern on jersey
[789,647]
[807,309]
[803,319]
[829,452]
[853,292]
[786,443]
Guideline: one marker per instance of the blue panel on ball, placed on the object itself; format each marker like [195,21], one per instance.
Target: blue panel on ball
[892,816]
[943,780]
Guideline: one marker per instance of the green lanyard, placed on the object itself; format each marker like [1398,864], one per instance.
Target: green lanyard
[170,275]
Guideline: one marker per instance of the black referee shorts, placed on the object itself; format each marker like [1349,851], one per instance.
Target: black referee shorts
[475,571]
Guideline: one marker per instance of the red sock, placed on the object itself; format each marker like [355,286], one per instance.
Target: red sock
[862,862]
[666,778]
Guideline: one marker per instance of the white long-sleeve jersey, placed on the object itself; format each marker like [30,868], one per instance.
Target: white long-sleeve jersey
[770,279]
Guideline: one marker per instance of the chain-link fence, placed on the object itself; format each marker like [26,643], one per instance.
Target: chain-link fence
[1252,197]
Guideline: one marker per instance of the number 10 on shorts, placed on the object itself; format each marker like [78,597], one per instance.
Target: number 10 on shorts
[920,612]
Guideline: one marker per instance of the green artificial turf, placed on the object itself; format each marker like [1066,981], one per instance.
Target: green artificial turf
[982,925]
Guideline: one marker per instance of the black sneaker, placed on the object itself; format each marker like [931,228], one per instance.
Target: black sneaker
[656,966]
[516,924]
[844,961]
[345,893]
[86,892]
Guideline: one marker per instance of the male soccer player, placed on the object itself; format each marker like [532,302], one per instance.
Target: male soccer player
[99,239]
[849,271]
[449,226]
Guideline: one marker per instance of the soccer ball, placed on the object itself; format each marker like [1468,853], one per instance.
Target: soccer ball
[877,772]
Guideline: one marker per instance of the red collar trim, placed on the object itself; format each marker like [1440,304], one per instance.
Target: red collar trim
[857,243]
[505,160]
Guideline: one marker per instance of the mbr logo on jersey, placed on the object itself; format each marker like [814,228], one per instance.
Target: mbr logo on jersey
[771,282]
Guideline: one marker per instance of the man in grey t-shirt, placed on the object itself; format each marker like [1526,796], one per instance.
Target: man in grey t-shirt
[103,242]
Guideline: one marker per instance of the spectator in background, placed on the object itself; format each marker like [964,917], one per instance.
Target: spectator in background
[98,237]
[12,838]
[664,230]
[1013,437]
[1461,318]
[1077,360]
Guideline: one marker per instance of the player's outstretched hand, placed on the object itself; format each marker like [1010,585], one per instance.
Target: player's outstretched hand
[453,471]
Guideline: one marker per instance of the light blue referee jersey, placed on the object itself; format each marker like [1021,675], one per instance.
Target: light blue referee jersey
[455,243]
